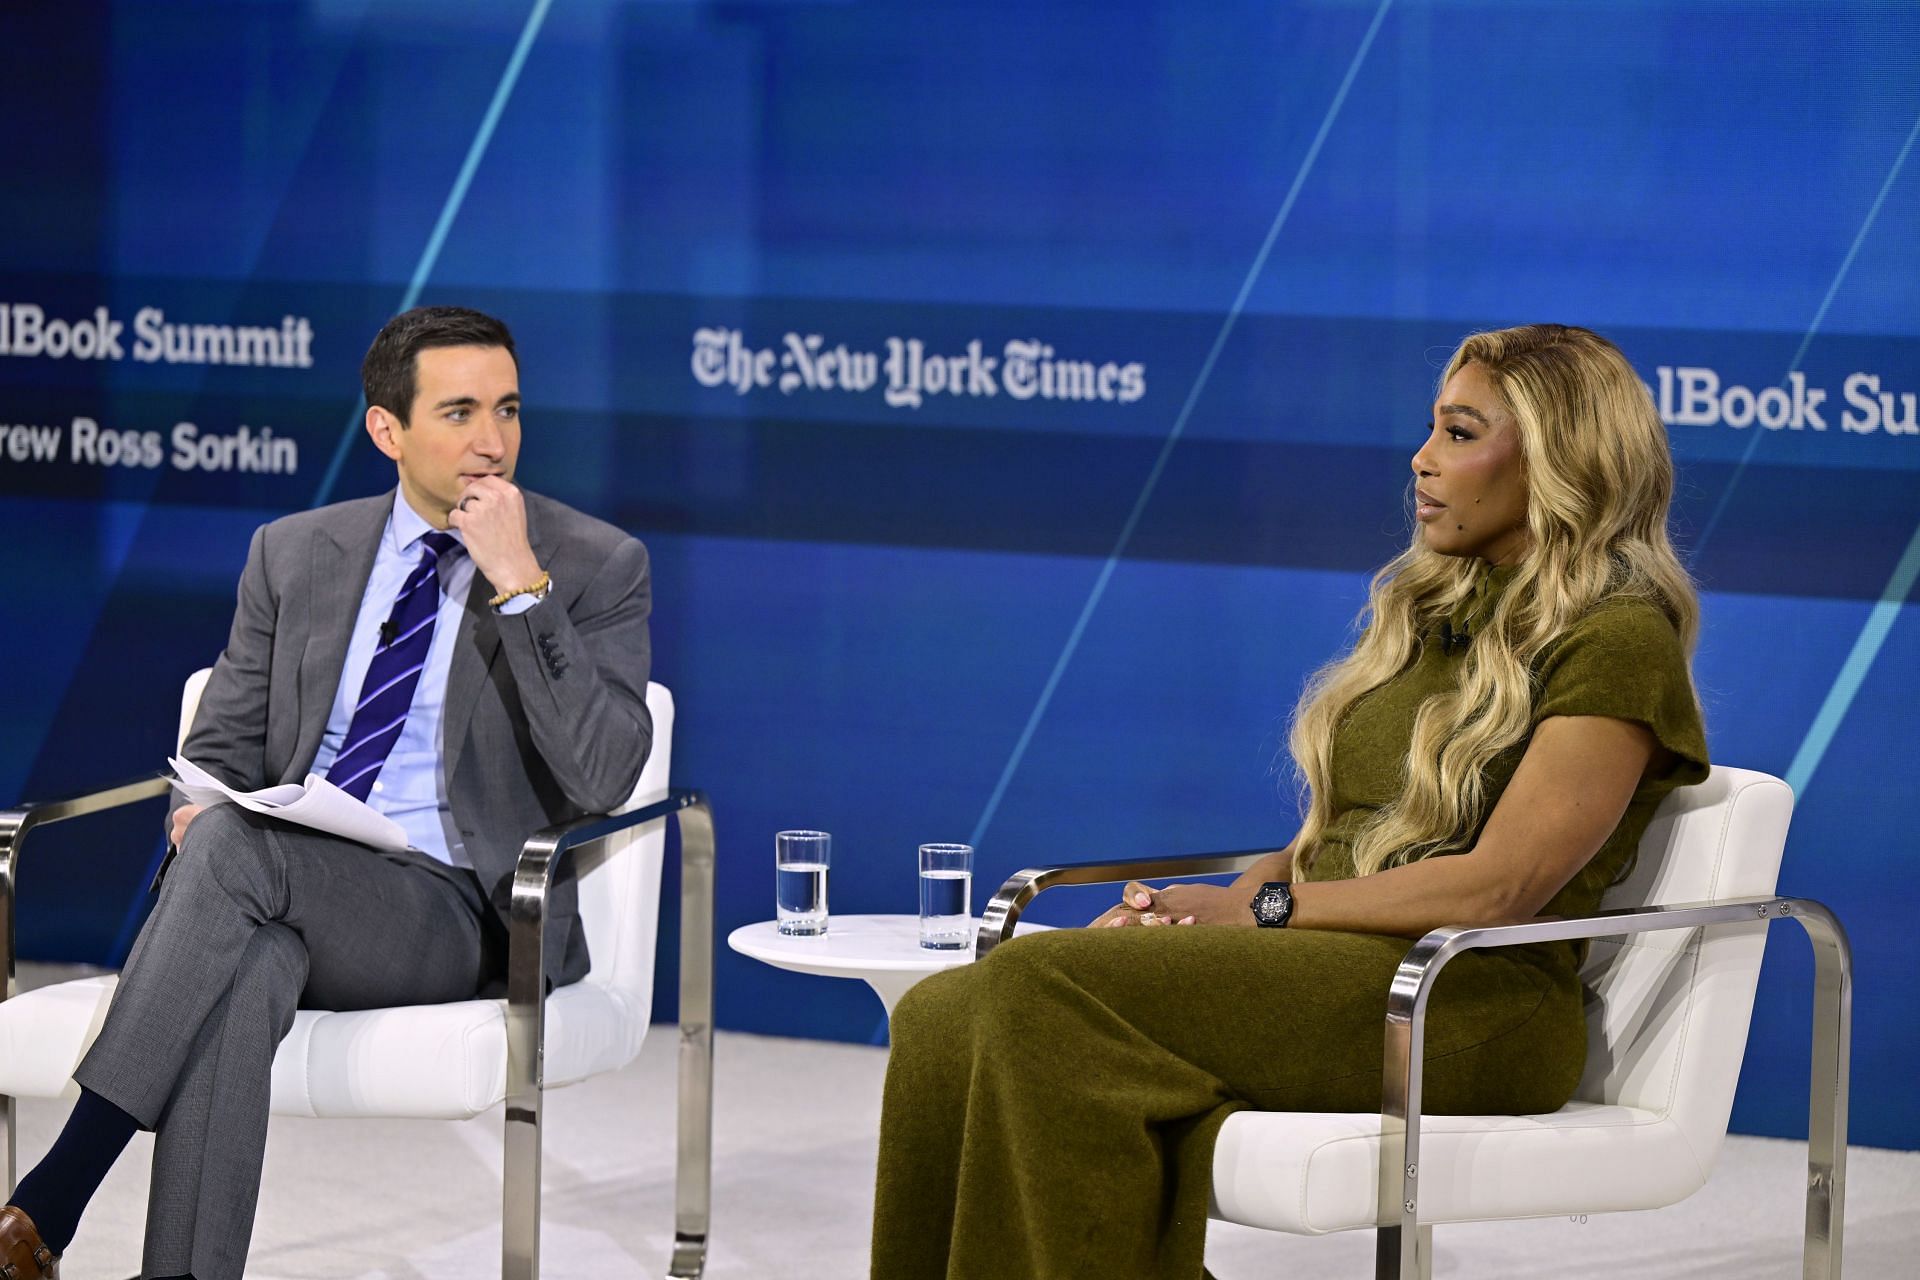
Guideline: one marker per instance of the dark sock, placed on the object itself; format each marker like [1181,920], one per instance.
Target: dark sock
[57,1191]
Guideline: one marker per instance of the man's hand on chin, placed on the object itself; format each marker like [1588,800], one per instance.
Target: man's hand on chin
[492,518]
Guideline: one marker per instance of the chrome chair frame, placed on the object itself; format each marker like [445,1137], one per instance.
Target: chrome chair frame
[526,1006]
[1404,1248]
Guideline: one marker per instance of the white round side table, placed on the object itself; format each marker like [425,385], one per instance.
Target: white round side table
[882,951]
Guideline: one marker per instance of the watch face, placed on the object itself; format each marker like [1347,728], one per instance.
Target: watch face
[1272,905]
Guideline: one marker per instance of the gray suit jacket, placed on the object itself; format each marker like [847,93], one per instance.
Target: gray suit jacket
[546,712]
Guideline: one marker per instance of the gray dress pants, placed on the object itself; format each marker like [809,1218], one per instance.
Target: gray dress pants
[255,919]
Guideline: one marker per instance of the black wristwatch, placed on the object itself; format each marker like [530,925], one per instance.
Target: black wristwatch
[1273,905]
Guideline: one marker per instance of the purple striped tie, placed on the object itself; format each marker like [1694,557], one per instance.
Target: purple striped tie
[394,673]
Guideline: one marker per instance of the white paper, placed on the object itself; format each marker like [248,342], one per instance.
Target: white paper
[317,804]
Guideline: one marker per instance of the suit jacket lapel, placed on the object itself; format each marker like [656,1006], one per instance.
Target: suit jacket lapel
[343,554]
[473,655]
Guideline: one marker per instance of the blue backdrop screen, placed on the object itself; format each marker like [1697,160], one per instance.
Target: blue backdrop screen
[1015,397]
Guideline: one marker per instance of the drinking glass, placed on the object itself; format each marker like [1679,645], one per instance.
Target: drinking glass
[946,892]
[800,862]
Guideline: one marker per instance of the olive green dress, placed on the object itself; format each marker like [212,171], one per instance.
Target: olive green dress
[1051,1112]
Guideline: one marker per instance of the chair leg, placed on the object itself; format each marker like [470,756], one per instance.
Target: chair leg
[1828,1095]
[9,1117]
[1387,1260]
[526,1095]
[520,1200]
[693,1177]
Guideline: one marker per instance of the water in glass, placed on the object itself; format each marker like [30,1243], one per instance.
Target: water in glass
[800,862]
[801,893]
[946,894]
[945,923]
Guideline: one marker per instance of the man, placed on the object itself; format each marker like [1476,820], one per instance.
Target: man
[467,658]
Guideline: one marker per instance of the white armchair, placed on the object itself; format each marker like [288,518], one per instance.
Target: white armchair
[455,1061]
[1671,980]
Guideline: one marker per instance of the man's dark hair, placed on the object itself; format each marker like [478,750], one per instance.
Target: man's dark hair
[387,374]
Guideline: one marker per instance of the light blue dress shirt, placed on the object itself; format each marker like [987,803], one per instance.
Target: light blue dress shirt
[412,787]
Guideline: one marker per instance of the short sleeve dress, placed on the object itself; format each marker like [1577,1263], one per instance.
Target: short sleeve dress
[1051,1111]
[1623,660]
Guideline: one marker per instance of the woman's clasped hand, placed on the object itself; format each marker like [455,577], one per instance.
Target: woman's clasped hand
[1176,904]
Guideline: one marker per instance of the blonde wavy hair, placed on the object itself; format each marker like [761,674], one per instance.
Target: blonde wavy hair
[1599,478]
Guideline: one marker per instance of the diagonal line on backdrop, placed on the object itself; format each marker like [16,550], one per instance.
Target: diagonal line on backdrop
[1179,428]
[1819,318]
[1853,672]
[448,212]
[1886,610]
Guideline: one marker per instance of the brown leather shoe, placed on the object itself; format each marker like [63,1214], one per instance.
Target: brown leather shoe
[22,1256]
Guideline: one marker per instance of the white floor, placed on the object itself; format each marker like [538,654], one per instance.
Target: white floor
[795,1129]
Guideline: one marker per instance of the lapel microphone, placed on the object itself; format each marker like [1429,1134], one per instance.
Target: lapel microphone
[1451,640]
[388,630]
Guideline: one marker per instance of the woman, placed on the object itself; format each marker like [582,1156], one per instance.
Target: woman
[1491,749]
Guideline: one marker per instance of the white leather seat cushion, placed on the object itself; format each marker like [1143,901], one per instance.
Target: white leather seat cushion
[44,1033]
[432,1061]
[1315,1172]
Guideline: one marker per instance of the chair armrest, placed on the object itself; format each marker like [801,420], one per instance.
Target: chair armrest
[17,823]
[533,880]
[1399,1247]
[1403,1066]
[1418,971]
[526,1021]
[1003,912]
[527,922]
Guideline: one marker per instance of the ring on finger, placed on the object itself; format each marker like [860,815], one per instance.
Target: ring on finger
[464,501]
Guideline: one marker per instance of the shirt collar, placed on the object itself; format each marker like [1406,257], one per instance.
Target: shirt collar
[1472,612]
[405,527]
